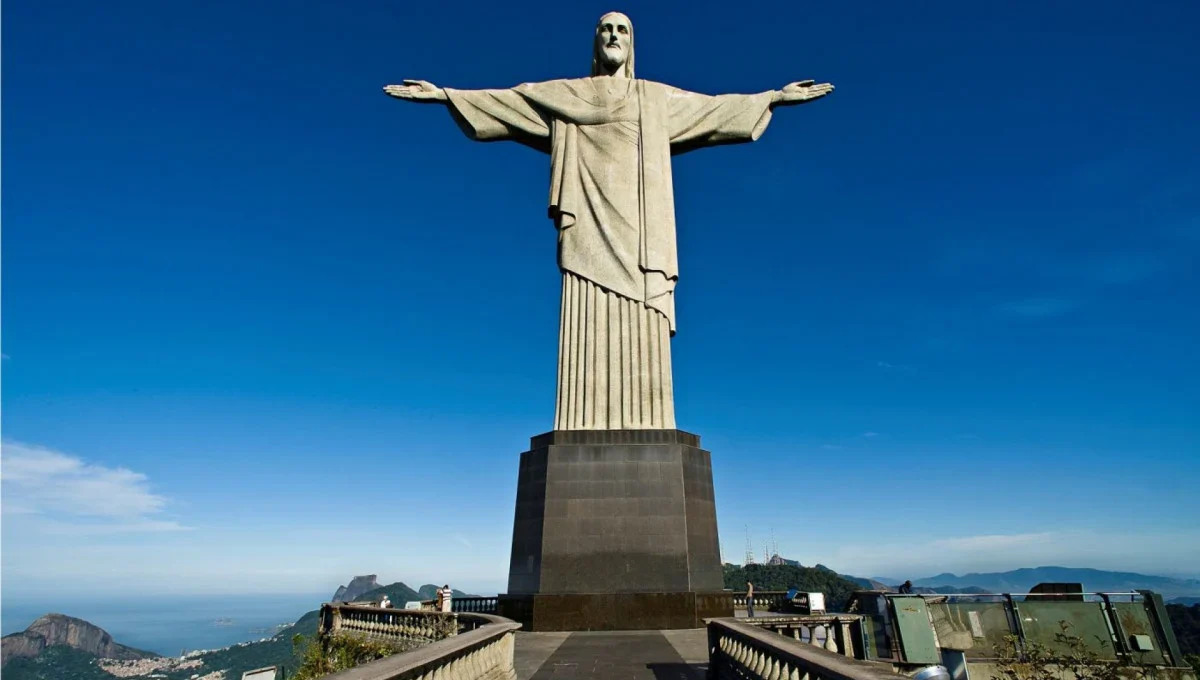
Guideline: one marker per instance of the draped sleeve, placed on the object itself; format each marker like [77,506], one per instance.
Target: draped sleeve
[699,120]
[498,115]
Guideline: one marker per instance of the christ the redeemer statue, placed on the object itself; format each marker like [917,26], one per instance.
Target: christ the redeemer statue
[610,138]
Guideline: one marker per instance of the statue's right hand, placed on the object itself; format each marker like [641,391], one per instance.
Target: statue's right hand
[417,91]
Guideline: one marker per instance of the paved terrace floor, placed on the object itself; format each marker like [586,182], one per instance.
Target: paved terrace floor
[648,655]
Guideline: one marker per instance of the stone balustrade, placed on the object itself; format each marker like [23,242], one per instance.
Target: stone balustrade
[764,600]
[837,633]
[739,650]
[463,646]
[474,605]
[395,625]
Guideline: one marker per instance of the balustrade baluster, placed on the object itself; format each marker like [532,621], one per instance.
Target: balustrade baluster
[831,644]
[760,662]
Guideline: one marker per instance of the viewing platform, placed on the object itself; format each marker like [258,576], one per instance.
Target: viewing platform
[885,637]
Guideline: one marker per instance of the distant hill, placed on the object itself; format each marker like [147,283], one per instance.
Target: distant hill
[60,630]
[1184,600]
[1186,622]
[1021,580]
[358,586]
[429,592]
[397,592]
[785,576]
[57,662]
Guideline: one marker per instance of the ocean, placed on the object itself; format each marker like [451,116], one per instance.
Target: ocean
[172,623]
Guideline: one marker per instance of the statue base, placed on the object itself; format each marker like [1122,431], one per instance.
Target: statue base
[615,530]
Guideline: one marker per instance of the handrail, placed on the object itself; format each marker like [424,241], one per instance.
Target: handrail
[741,651]
[484,652]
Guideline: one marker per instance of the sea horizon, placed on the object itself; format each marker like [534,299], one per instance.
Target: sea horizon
[168,624]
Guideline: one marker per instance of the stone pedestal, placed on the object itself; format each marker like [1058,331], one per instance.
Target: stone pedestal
[615,530]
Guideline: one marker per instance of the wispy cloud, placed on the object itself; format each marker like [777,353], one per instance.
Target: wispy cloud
[68,495]
[993,542]
[1039,307]
[870,435]
[463,539]
[831,447]
[900,368]
[1148,552]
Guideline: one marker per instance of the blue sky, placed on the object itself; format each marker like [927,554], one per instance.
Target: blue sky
[265,328]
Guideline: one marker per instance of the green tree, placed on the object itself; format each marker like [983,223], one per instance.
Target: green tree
[786,576]
[338,653]
[1034,661]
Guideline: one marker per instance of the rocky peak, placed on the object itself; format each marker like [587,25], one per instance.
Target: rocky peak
[59,629]
[357,586]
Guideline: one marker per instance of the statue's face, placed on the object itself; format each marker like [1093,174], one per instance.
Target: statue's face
[614,36]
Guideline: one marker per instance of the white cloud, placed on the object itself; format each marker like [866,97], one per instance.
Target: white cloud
[1039,307]
[68,495]
[992,542]
[903,368]
[869,435]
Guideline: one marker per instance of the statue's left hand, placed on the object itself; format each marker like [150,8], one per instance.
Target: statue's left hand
[803,91]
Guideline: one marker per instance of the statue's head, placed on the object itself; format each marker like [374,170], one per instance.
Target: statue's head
[613,47]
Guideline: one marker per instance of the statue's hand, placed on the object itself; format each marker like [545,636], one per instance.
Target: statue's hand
[803,91]
[417,91]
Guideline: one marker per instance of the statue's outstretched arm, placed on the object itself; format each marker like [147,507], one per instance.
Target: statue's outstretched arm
[799,92]
[421,91]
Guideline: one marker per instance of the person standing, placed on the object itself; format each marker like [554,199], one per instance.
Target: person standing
[385,603]
[906,588]
[445,598]
[749,599]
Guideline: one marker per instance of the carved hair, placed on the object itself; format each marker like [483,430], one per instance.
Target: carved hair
[596,60]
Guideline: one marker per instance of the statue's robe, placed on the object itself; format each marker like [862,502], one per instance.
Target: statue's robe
[610,142]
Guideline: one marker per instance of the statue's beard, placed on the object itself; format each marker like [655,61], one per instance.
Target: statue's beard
[612,57]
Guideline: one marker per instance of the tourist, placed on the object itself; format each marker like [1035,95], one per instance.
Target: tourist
[749,599]
[445,598]
[906,588]
[385,603]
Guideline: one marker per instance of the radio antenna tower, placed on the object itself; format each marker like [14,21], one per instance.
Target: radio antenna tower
[749,547]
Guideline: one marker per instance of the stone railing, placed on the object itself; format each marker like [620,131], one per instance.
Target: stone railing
[738,650]
[764,600]
[474,605]
[837,633]
[396,625]
[480,646]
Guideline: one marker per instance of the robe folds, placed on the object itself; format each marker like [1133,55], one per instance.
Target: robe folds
[610,142]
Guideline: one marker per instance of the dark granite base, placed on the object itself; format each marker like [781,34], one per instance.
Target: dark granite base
[615,611]
[615,511]
[615,530]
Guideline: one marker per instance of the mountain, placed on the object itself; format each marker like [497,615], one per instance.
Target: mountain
[397,592]
[1186,601]
[1022,580]
[358,586]
[59,630]
[429,592]
[1186,622]
[785,576]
